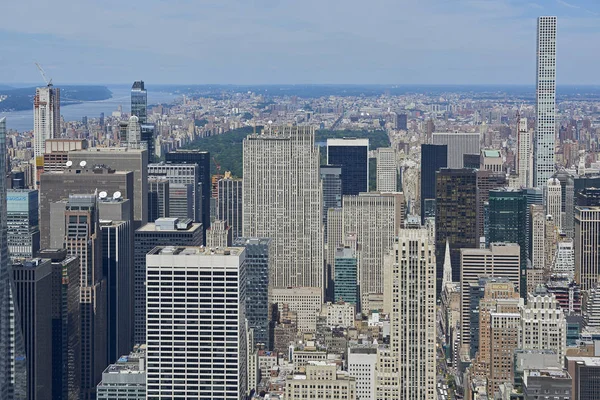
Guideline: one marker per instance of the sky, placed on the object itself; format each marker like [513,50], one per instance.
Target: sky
[294,42]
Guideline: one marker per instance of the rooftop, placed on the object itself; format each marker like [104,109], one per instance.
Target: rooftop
[191,251]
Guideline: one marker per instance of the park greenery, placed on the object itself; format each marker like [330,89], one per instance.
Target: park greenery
[226,148]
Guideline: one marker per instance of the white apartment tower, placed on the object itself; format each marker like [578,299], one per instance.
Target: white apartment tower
[46,117]
[524,154]
[543,325]
[554,200]
[410,270]
[545,100]
[283,201]
[387,171]
[196,323]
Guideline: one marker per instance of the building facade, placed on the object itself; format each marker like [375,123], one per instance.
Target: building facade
[353,156]
[23,223]
[458,145]
[587,246]
[387,171]
[229,204]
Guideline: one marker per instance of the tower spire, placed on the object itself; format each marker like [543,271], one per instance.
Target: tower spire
[447,277]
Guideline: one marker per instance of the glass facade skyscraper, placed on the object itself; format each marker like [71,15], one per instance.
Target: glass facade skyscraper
[23,223]
[353,155]
[346,278]
[433,158]
[139,101]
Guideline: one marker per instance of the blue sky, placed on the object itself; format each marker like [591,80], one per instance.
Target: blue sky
[289,41]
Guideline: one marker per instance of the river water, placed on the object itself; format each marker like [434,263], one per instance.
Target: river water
[121,96]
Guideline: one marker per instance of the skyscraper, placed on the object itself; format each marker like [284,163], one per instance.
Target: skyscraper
[283,201]
[33,297]
[455,217]
[23,223]
[182,174]
[162,232]
[139,101]
[258,262]
[229,203]
[13,376]
[353,155]
[202,160]
[545,101]
[543,325]
[208,342]
[158,198]
[587,246]
[508,223]
[46,118]
[410,292]
[554,200]
[331,176]
[387,171]
[82,239]
[346,277]
[433,158]
[524,153]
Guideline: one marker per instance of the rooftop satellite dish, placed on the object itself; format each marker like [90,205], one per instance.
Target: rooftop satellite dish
[69,163]
[116,195]
[103,195]
[83,164]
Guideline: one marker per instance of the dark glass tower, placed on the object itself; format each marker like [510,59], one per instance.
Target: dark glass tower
[353,156]
[139,101]
[433,158]
[331,176]
[508,223]
[202,160]
[455,218]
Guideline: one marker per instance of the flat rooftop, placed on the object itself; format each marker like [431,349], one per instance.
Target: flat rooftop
[196,251]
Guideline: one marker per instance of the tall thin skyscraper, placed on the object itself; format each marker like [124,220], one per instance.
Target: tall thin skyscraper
[353,155]
[13,377]
[331,176]
[410,293]
[229,203]
[587,246]
[139,101]
[387,171]
[524,154]
[554,200]
[283,201]
[433,158]
[545,100]
[46,118]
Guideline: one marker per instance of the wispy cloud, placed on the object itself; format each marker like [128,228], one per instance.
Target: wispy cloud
[564,3]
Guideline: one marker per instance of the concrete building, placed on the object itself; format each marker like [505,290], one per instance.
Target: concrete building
[331,178]
[321,381]
[339,314]
[501,260]
[352,155]
[545,101]
[543,325]
[362,365]
[57,186]
[208,345]
[163,232]
[547,383]
[23,223]
[83,240]
[229,203]
[283,201]
[258,265]
[491,160]
[458,145]
[587,246]
[126,378]
[219,234]
[387,170]
[46,119]
[374,218]
[32,281]
[121,159]
[524,153]
[554,200]
[410,292]
[305,301]
[537,254]
[335,239]
[584,372]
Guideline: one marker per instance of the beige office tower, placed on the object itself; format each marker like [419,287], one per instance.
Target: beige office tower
[334,236]
[283,201]
[524,154]
[501,260]
[499,322]
[543,325]
[587,246]
[375,219]
[554,200]
[321,381]
[46,117]
[551,234]
[218,235]
[387,171]
[410,294]
[304,301]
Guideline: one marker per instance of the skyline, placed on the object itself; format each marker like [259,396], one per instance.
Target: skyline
[270,43]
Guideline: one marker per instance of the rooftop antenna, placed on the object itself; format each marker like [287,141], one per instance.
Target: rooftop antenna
[103,195]
[48,81]
[83,164]
[116,195]
[69,163]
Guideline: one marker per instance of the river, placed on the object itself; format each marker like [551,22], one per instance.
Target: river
[23,120]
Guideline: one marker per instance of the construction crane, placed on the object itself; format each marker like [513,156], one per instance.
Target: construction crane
[48,81]
[217,165]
